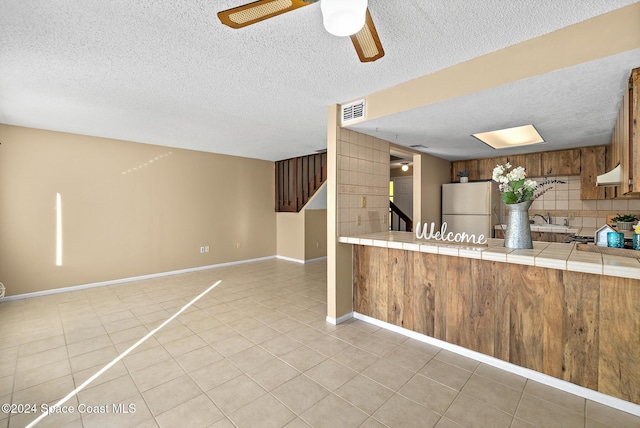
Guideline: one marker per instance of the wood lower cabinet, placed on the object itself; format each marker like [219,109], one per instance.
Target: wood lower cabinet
[579,327]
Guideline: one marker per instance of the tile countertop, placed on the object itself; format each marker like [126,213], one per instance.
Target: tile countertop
[577,231]
[544,254]
[554,228]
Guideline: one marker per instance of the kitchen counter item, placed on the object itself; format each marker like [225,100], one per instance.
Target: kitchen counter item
[615,240]
[518,233]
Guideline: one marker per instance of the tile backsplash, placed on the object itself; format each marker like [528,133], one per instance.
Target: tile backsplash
[363,172]
[562,200]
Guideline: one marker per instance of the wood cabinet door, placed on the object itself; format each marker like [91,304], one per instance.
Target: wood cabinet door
[531,163]
[561,162]
[625,142]
[471,165]
[592,164]
[486,166]
[634,149]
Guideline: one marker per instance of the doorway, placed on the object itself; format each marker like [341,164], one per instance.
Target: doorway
[400,189]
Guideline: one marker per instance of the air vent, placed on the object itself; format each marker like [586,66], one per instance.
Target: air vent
[352,111]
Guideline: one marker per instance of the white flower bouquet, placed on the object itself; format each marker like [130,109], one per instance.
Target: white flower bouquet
[515,187]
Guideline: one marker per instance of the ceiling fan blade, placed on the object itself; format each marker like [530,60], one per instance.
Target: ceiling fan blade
[257,11]
[367,42]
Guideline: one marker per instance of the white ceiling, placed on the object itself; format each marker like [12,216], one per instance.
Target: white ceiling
[168,73]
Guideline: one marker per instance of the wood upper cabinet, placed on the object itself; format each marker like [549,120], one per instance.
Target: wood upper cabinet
[481,169]
[561,162]
[620,145]
[634,149]
[531,163]
[592,164]
[471,165]
[485,166]
[625,146]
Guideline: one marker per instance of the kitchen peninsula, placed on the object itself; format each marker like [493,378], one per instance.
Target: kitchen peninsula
[566,313]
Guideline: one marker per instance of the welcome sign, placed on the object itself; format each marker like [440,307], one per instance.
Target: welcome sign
[443,235]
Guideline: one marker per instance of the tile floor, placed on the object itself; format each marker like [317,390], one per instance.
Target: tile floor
[254,352]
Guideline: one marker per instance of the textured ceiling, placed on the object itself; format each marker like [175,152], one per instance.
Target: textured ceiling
[168,73]
[573,107]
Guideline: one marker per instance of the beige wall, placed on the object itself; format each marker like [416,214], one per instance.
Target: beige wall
[432,173]
[129,209]
[303,235]
[315,234]
[291,235]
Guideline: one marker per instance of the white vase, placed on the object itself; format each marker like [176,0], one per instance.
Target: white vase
[464,179]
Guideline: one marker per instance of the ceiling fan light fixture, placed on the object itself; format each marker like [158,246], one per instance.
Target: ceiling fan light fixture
[343,17]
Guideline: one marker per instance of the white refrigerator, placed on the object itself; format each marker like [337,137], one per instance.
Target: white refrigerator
[469,207]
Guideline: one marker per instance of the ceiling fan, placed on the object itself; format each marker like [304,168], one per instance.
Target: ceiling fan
[365,40]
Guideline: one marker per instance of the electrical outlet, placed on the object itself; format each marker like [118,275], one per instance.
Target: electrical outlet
[237,245]
[363,202]
[317,244]
[201,250]
[571,216]
[206,249]
[359,220]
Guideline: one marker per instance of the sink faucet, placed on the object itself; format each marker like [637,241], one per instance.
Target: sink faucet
[546,219]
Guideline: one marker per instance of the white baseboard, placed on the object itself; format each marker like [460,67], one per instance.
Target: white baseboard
[130,279]
[290,259]
[319,259]
[580,391]
[336,321]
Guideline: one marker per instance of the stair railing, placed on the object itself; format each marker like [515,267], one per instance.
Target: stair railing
[395,211]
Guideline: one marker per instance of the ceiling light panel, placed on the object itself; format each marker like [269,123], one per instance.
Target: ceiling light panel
[511,137]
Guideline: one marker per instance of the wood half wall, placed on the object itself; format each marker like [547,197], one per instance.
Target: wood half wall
[578,327]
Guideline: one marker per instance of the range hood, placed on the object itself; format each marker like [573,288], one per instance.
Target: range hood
[611,178]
